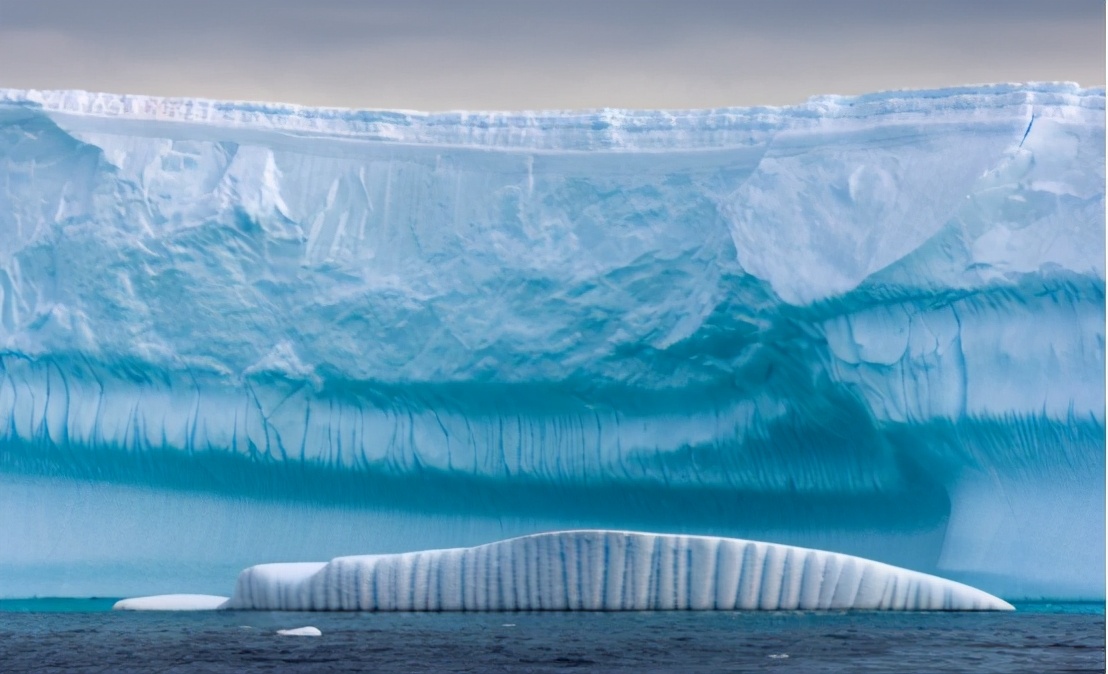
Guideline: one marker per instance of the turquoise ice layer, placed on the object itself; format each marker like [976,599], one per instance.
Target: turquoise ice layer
[237,333]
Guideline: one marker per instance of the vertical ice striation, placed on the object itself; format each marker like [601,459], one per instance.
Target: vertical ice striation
[873,325]
[600,571]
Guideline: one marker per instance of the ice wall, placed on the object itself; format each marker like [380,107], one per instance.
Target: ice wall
[235,333]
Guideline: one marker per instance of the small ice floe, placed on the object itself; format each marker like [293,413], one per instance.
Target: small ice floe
[171,602]
[778,656]
[308,631]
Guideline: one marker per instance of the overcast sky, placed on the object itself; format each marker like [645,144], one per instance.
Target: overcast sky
[542,54]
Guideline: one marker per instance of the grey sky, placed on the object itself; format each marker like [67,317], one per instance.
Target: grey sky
[530,54]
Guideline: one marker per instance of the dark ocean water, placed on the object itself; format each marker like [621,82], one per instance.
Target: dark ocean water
[78,636]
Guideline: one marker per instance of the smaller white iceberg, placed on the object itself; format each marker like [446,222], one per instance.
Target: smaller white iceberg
[604,571]
[171,602]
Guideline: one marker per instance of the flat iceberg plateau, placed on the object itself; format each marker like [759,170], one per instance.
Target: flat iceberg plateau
[593,571]
[235,332]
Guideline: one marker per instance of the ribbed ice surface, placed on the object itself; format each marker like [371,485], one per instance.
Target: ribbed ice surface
[603,571]
[235,332]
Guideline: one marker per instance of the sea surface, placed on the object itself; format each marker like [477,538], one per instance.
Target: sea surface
[44,635]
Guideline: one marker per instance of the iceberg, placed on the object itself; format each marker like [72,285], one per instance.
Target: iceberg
[603,571]
[307,631]
[234,333]
[171,602]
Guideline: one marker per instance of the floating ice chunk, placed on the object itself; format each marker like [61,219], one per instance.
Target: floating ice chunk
[604,571]
[171,602]
[307,631]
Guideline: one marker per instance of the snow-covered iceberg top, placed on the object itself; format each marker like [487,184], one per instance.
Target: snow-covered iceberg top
[613,128]
[595,571]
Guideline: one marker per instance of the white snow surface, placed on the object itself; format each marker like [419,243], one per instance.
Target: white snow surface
[870,324]
[171,602]
[604,571]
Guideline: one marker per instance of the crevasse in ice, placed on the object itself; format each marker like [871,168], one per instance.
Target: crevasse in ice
[236,333]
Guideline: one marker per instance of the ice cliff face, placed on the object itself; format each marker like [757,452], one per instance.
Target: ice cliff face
[233,333]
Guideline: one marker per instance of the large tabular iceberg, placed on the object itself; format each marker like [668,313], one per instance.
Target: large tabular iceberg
[236,333]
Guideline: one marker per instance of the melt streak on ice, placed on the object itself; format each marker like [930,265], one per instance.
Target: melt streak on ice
[233,333]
